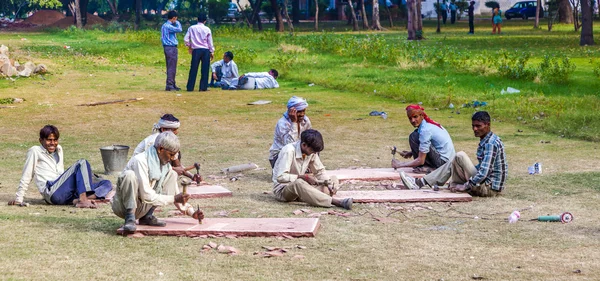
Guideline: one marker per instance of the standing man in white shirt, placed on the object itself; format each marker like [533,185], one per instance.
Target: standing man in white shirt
[148,182]
[224,71]
[289,127]
[257,80]
[44,165]
[200,44]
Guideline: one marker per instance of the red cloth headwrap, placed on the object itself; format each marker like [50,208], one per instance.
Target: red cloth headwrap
[418,107]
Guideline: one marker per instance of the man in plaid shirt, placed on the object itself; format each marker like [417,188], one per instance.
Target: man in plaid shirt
[485,179]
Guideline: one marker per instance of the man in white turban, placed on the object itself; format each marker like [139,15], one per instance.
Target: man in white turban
[167,122]
[289,127]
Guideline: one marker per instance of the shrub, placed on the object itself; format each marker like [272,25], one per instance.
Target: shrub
[553,70]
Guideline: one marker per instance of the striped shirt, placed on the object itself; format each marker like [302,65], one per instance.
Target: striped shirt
[168,33]
[492,168]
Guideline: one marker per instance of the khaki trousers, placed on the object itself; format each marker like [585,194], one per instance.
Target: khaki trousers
[300,190]
[459,170]
[128,188]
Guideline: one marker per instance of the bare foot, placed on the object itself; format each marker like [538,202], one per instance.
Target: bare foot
[86,204]
[460,188]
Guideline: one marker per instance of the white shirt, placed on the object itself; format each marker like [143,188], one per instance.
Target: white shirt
[229,69]
[263,80]
[139,165]
[287,132]
[143,145]
[292,163]
[40,166]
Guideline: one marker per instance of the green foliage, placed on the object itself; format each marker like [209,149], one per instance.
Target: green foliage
[323,4]
[595,66]
[268,9]
[217,9]
[513,66]
[492,4]
[555,70]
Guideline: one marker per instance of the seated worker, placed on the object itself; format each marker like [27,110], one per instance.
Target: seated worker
[44,164]
[167,122]
[290,183]
[147,182]
[430,144]
[289,127]
[256,80]
[485,179]
[224,71]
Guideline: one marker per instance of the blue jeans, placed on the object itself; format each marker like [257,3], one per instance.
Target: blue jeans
[76,180]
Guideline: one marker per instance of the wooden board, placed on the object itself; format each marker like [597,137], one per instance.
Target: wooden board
[403,196]
[376,174]
[207,191]
[263,227]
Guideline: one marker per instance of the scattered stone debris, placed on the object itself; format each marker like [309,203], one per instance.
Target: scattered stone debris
[223,249]
[11,68]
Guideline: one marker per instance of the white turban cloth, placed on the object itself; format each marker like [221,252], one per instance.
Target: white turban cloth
[298,103]
[164,124]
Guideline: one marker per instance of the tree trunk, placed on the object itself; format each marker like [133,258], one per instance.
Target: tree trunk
[390,16]
[83,11]
[376,22]
[565,12]
[419,20]
[587,27]
[74,7]
[296,11]
[243,12]
[287,16]
[353,14]
[537,14]
[255,17]
[113,7]
[138,14]
[278,17]
[316,15]
[414,24]
[363,12]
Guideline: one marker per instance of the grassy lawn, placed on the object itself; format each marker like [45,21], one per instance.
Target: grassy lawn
[431,241]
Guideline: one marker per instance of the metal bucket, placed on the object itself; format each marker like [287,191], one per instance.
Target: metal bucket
[114,158]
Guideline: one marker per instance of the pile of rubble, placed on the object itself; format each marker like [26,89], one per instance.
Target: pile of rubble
[11,68]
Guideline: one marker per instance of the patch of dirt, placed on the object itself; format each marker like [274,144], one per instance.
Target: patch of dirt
[44,17]
[68,21]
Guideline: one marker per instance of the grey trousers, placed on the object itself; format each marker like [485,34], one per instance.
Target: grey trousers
[171,59]
[433,158]
[128,187]
[300,190]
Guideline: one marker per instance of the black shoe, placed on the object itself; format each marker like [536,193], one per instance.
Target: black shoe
[152,221]
[177,88]
[168,89]
[129,226]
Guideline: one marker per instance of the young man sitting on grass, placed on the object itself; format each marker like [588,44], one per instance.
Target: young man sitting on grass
[291,183]
[486,179]
[45,166]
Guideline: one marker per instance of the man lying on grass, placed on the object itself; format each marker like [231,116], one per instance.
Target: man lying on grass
[147,182]
[430,144]
[44,165]
[485,179]
[256,80]
[289,127]
[291,183]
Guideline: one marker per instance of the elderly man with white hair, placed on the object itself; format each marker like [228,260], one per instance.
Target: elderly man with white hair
[167,122]
[289,127]
[147,182]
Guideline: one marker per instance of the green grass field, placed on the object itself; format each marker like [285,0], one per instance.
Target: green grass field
[555,123]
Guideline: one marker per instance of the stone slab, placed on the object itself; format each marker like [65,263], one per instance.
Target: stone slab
[372,174]
[403,196]
[255,227]
[207,191]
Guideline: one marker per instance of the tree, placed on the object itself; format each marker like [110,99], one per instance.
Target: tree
[414,24]
[376,22]
[565,12]
[138,13]
[113,6]
[255,14]
[287,16]
[537,14]
[587,32]
[316,15]
[296,11]
[278,18]
[576,5]
[353,14]
[363,13]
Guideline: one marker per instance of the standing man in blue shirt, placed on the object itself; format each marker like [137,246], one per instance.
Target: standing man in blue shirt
[486,179]
[168,37]
[453,8]
[430,144]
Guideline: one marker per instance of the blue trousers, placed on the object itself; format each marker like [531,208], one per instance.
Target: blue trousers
[76,180]
[199,55]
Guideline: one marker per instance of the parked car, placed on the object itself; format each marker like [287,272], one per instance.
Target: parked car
[232,13]
[524,10]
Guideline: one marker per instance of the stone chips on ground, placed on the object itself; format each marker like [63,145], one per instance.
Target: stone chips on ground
[11,68]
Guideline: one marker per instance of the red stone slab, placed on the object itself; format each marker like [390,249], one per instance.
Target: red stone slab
[403,196]
[263,227]
[207,191]
[376,174]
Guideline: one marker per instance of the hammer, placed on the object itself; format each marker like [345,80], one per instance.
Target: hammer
[332,184]
[184,183]
[393,149]
[197,166]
